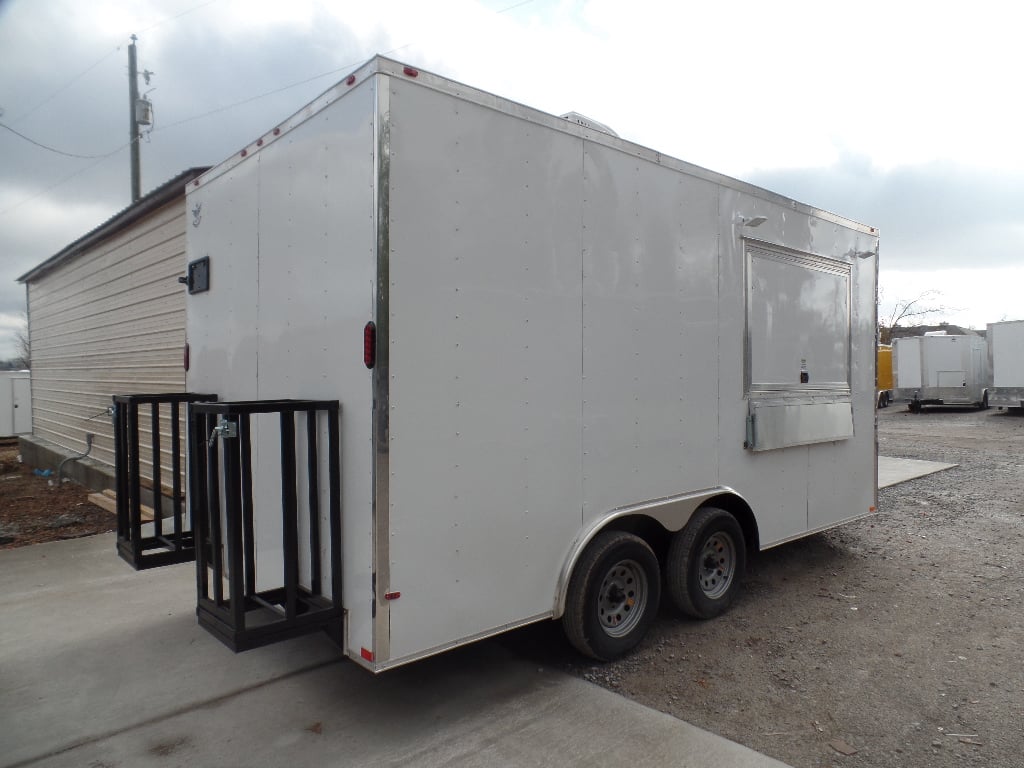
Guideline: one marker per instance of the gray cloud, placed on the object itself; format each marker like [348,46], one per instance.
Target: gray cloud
[199,69]
[933,216]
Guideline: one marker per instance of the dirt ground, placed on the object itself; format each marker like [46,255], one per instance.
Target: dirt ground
[34,509]
[899,638]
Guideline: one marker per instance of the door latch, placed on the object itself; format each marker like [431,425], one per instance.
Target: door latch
[225,428]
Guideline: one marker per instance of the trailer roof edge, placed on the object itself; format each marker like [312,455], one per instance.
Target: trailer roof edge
[382,65]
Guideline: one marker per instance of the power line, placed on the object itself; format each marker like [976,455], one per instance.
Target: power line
[232,105]
[343,68]
[101,158]
[59,182]
[103,58]
[59,151]
[98,158]
[513,7]
[67,85]
[179,15]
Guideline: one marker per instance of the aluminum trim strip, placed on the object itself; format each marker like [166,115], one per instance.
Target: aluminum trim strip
[786,255]
[874,364]
[381,377]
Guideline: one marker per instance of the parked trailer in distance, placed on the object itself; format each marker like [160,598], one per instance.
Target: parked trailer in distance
[941,369]
[1006,358]
[561,370]
[884,375]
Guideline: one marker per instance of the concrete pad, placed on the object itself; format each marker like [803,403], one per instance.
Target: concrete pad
[89,646]
[102,666]
[892,471]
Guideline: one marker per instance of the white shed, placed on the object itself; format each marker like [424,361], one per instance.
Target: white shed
[15,403]
[106,315]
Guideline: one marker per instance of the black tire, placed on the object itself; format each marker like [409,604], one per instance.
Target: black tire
[705,562]
[613,596]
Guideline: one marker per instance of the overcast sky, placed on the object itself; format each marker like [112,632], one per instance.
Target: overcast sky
[902,115]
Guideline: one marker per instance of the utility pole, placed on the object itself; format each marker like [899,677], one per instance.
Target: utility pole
[133,132]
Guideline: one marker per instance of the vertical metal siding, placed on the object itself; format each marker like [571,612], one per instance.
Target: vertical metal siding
[111,321]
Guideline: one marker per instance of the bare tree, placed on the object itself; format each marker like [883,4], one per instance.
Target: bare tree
[24,358]
[918,308]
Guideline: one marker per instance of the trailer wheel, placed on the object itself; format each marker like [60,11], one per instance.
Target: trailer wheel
[705,560]
[613,596]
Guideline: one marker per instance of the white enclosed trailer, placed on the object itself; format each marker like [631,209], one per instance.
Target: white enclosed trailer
[940,369]
[1006,360]
[569,369]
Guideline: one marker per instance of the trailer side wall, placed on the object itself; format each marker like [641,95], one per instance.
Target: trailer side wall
[485,351]
[567,338]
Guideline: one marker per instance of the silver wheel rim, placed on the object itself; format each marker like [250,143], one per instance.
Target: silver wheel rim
[622,598]
[717,565]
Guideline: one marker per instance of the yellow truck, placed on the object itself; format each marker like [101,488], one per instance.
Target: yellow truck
[883,372]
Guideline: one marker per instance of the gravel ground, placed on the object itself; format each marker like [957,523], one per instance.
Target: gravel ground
[892,642]
[895,641]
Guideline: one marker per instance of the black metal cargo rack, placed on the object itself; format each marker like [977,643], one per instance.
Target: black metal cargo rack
[221,490]
[162,547]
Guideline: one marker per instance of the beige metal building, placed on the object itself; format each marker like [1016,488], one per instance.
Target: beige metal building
[106,315]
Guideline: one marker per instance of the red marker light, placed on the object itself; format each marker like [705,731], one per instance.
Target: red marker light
[392,595]
[277,131]
[410,71]
[245,152]
[259,142]
[369,344]
[350,80]
[368,655]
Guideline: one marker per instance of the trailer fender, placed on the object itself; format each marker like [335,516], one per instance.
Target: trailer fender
[671,512]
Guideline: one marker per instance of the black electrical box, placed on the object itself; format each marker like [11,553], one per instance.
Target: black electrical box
[198,278]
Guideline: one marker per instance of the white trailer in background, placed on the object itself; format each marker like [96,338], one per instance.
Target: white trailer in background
[15,403]
[567,365]
[940,369]
[1006,358]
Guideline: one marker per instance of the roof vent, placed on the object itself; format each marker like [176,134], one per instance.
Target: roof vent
[587,122]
